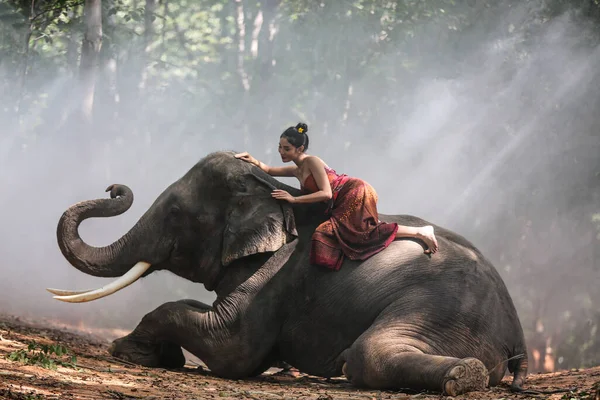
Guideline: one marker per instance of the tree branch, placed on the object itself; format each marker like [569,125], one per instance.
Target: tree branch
[51,9]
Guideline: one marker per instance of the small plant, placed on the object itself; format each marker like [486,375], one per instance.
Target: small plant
[44,355]
[8,394]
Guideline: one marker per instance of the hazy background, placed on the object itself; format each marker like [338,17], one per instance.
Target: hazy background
[478,116]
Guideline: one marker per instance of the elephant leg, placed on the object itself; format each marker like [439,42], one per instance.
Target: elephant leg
[140,347]
[381,361]
[228,348]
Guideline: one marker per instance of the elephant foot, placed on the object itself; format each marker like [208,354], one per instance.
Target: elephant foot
[155,355]
[469,374]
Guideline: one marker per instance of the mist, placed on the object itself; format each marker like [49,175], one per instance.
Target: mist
[496,130]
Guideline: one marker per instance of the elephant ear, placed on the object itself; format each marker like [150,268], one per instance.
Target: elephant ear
[256,223]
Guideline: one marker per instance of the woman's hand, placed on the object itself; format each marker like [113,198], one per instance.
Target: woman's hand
[283,195]
[247,157]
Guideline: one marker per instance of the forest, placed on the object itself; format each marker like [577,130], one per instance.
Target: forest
[479,115]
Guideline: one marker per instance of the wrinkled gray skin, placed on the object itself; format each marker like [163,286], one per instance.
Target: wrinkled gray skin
[401,319]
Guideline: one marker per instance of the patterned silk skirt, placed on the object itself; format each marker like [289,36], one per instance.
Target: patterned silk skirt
[353,229]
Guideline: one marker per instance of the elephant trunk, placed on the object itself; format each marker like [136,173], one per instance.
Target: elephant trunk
[109,261]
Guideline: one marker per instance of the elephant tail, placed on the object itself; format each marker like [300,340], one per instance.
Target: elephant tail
[518,365]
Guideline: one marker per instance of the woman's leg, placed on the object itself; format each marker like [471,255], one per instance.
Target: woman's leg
[425,233]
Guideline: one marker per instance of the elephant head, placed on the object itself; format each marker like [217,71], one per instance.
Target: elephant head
[221,210]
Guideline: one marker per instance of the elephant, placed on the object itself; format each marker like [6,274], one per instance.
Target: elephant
[400,319]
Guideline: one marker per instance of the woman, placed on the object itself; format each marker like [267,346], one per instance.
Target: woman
[353,228]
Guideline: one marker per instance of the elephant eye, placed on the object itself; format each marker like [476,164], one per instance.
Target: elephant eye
[174,210]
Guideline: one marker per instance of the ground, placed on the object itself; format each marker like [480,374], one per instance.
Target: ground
[33,366]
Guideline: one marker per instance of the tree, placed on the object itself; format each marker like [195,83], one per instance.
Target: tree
[90,50]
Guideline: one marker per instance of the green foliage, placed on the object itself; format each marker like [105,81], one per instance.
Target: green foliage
[47,356]
[19,395]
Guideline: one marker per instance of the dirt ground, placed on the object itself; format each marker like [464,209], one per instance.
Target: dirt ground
[95,375]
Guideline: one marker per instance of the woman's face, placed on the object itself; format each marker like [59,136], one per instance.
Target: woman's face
[287,151]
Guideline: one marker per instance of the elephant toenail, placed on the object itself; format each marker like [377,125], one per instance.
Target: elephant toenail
[450,388]
[457,372]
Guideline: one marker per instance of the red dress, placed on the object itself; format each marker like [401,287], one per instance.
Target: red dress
[353,228]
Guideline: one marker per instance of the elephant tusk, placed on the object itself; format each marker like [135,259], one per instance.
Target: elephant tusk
[131,276]
[60,292]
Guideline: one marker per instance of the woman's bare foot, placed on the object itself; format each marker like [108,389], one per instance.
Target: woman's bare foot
[426,234]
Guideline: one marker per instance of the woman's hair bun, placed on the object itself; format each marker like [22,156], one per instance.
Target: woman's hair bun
[302,127]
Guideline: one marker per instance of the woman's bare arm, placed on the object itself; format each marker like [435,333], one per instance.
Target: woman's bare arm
[273,171]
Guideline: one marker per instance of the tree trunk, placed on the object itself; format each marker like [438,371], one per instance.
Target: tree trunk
[72,53]
[149,33]
[23,67]
[241,36]
[90,50]
[108,94]
[265,40]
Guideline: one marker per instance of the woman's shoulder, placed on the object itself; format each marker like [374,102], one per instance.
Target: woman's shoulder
[315,161]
